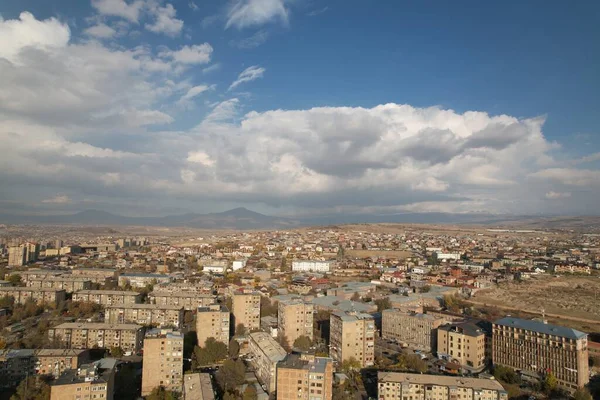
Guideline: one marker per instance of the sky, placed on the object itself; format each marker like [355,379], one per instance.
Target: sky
[299,107]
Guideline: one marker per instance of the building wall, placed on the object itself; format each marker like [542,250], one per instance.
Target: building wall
[416,330]
[83,391]
[86,336]
[106,297]
[246,310]
[212,322]
[55,361]
[266,354]
[189,301]
[154,315]
[468,351]
[354,338]
[41,296]
[316,266]
[295,319]
[304,384]
[163,363]
[69,285]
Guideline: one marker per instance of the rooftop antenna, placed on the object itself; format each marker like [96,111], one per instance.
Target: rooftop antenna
[544,315]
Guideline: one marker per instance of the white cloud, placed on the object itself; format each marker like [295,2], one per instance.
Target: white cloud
[200,157]
[249,74]
[430,184]
[58,199]
[165,20]
[589,158]
[119,8]
[251,42]
[245,13]
[27,31]
[193,6]
[101,31]
[558,195]
[195,54]
[186,99]
[570,176]
[212,68]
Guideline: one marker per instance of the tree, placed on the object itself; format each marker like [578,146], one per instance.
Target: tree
[212,352]
[127,384]
[15,280]
[550,383]
[283,265]
[355,297]
[351,364]
[582,394]
[303,343]
[415,363]
[383,304]
[425,289]
[267,308]
[506,374]
[231,374]
[250,393]
[32,388]
[7,302]
[240,330]
[453,302]
[116,351]
[234,348]
[160,393]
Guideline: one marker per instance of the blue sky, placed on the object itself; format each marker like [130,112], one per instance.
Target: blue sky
[491,107]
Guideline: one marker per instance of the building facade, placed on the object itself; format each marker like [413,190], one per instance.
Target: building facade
[463,343]
[401,386]
[246,310]
[39,295]
[15,365]
[163,361]
[141,280]
[96,275]
[108,297]
[213,321]
[295,319]
[76,335]
[188,300]
[535,348]
[304,377]
[352,335]
[265,354]
[144,314]
[88,382]
[55,361]
[417,330]
[68,283]
[312,266]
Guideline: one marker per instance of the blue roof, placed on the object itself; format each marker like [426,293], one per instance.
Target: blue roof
[540,327]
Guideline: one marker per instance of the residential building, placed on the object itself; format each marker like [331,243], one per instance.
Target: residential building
[312,266]
[417,330]
[265,353]
[56,361]
[572,269]
[17,256]
[304,377]
[352,335]
[462,343]
[295,319]
[39,295]
[401,386]
[188,300]
[88,382]
[246,310]
[198,387]
[108,297]
[15,365]
[144,314]
[212,321]
[163,361]
[36,273]
[536,348]
[79,335]
[140,280]
[96,275]
[66,282]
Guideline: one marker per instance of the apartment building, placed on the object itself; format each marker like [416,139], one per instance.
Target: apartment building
[572,269]
[108,297]
[417,330]
[352,335]
[265,353]
[463,343]
[313,266]
[144,314]
[304,377]
[178,287]
[535,348]
[15,365]
[246,310]
[295,319]
[17,256]
[213,321]
[96,275]
[37,273]
[78,335]
[163,361]
[140,280]
[188,300]
[198,387]
[88,382]
[56,361]
[401,386]
[39,295]
[66,282]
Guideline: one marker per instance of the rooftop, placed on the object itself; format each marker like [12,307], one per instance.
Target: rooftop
[94,373]
[115,292]
[295,361]
[467,328]
[269,346]
[541,327]
[144,306]
[440,380]
[351,316]
[97,325]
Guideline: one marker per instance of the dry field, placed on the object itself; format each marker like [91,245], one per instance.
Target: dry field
[378,253]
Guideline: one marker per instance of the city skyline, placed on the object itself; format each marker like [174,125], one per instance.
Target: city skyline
[152,107]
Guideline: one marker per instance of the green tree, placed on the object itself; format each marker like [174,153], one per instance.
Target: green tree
[267,308]
[506,374]
[582,394]
[550,383]
[116,351]
[383,304]
[250,393]
[453,302]
[234,348]
[231,374]
[15,280]
[212,352]
[160,393]
[32,388]
[240,330]
[351,364]
[303,343]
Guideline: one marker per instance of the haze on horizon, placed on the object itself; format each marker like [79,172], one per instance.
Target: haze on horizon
[299,107]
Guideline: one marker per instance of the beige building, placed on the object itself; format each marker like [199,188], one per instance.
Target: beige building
[163,361]
[246,310]
[417,330]
[462,343]
[88,382]
[212,321]
[15,365]
[56,361]
[188,300]
[265,353]
[352,335]
[17,256]
[295,319]
[39,295]
[401,386]
[68,283]
[304,377]
[96,275]
[108,297]
[533,348]
[144,314]
[197,387]
[77,335]
[37,273]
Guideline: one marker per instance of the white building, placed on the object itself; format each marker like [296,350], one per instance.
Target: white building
[448,256]
[312,265]
[214,269]
[238,264]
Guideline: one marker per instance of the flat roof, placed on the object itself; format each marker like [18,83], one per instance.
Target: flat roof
[440,380]
[294,361]
[28,289]
[180,294]
[540,327]
[349,317]
[268,346]
[59,352]
[117,292]
[97,325]
[144,306]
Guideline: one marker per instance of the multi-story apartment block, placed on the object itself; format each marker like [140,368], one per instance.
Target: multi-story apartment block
[66,282]
[572,269]
[37,273]
[76,335]
[39,295]
[179,287]
[198,387]
[417,330]
[163,361]
[246,310]
[304,377]
[15,365]
[265,353]
[96,275]
[212,321]
[88,382]
[144,314]
[140,280]
[295,319]
[56,361]
[188,300]
[401,386]
[352,335]
[17,256]
[535,348]
[312,266]
[463,343]
[108,297]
